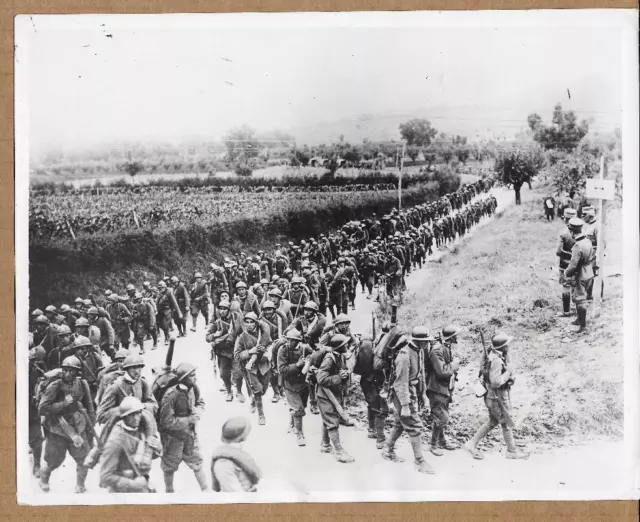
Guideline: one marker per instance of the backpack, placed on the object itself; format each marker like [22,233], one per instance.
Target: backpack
[315,360]
[45,381]
[163,382]
[364,359]
[383,351]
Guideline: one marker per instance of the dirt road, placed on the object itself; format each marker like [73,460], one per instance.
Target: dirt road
[304,474]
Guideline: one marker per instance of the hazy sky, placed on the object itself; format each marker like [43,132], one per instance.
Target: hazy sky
[176,82]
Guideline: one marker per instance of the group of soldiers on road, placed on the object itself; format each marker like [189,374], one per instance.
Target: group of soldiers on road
[268,328]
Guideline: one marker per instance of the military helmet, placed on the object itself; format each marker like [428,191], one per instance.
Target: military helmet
[500,340]
[64,330]
[78,300]
[224,304]
[338,341]
[51,309]
[294,334]
[87,302]
[81,341]
[264,281]
[146,284]
[65,308]
[133,361]
[162,284]
[251,316]
[275,291]
[107,292]
[122,353]
[297,280]
[341,318]
[129,405]
[241,284]
[138,295]
[42,319]
[36,313]
[450,331]
[37,353]
[197,275]
[235,429]
[82,321]
[420,333]
[130,288]
[268,304]
[92,311]
[184,369]
[310,305]
[72,362]
[174,279]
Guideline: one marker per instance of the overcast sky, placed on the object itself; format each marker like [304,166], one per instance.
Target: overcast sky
[171,83]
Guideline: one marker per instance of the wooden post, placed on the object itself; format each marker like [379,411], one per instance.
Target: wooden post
[598,283]
[400,177]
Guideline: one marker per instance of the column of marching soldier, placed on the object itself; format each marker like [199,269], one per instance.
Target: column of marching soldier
[270,332]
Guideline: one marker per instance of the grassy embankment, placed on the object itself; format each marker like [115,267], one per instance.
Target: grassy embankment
[505,277]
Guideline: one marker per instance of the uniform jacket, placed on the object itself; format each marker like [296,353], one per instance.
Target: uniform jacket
[407,376]
[440,369]
[233,470]
[52,406]
[107,376]
[496,380]
[328,375]
[145,314]
[564,248]
[246,342]
[581,255]
[250,303]
[178,403]
[311,332]
[120,315]
[121,388]
[182,296]
[199,292]
[91,366]
[288,365]
[167,301]
[106,331]
[226,328]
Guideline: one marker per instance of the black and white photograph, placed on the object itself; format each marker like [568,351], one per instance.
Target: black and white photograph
[326,257]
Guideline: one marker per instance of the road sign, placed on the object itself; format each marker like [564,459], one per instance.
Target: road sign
[601,189]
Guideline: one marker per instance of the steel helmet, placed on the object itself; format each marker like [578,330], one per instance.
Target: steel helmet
[65,308]
[64,330]
[268,304]
[107,293]
[81,341]
[310,305]
[122,353]
[130,288]
[276,292]
[420,333]
[241,284]
[138,295]
[333,263]
[129,405]
[224,304]
[264,281]
[294,334]
[92,311]
[79,300]
[133,361]
[162,284]
[500,340]
[450,331]
[36,313]
[52,309]
[42,319]
[37,353]
[197,275]
[82,321]
[174,279]
[87,302]
[338,341]
[342,260]
[72,362]
[297,280]
[341,318]
[275,278]
[251,316]
[184,369]
[146,284]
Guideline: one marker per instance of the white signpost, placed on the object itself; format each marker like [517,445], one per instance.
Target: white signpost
[602,190]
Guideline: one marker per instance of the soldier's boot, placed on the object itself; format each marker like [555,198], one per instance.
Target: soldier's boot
[582,318]
[239,394]
[299,433]
[195,322]
[201,477]
[389,452]
[292,424]
[313,408]
[252,404]
[380,438]
[37,457]
[446,443]
[276,391]
[154,336]
[512,450]
[371,430]
[325,445]
[45,475]
[434,446]
[566,306]
[419,461]
[81,477]
[340,454]
[168,482]
[472,445]
[261,419]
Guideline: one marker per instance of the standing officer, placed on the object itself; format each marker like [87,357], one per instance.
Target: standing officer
[406,388]
[498,376]
[580,270]
[564,253]
[440,383]
[199,300]
[292,357]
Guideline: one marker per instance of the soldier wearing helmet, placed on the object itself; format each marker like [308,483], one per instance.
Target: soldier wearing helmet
[200,299]
[78,305]
[120,320]
[579,272]
[91,363]
[291,358]
[276,324]
[37,369]
[181,408]
[563,252]
[498,376]
[249,350]
[331,377]
[111,373]
[107,335]
[167,307]
[297,295]
[70,316]
[246,299]
[590,230]
[117,472]
[406,391]
[184,305]
[45,333]
[282,305]
[67,407]
[221,334]
[441,368]
[217,283]
[86,329]
[145,321]
[131,383]
[61,348]
[310,324]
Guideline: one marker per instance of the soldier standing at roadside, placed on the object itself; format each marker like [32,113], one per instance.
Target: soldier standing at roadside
[580,270]
[564,253]
[166,305]
[199,300]
[184,304]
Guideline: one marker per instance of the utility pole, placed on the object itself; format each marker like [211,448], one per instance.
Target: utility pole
[404,146]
